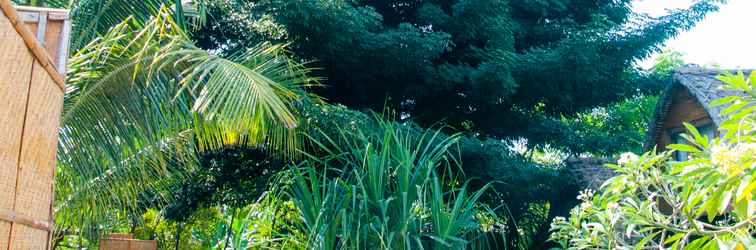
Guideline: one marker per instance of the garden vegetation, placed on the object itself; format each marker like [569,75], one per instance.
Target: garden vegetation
[704,202]
[386,124]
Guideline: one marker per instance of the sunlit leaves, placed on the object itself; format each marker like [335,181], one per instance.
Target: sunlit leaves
[704,202]
[142,101]
[383,191]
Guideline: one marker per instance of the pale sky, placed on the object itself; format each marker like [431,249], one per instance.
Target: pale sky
[727,37]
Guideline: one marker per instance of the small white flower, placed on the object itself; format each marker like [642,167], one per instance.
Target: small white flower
[612,206]
[723,156]
[746,149]
[627,158]
[585,195]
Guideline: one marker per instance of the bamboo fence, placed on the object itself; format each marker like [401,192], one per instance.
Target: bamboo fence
[126,242]
[31,97]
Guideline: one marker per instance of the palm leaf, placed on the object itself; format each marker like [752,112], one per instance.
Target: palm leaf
[142,101]
[92,18]
[45,3]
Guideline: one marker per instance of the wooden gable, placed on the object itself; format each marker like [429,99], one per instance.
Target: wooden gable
[684,107]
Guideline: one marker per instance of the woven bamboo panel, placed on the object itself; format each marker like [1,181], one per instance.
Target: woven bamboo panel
[114,244]
[4,231]
[143,245]
[36,173]
[36,169]
[125,242]
[15,73]
[32,92]
[125,236]
[24,237]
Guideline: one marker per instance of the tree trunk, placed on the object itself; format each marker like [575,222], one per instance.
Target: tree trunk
[178,234]
[561,205]
[230,228]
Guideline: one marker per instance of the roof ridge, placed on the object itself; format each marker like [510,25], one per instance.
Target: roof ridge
[699,70]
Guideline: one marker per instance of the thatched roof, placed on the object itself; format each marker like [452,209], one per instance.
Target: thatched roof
[590,172]
[702,83]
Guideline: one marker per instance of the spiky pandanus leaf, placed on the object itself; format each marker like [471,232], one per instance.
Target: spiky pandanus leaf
[383,191]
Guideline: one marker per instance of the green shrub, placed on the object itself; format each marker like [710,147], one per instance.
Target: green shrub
[395,190]
[705,202]
[253,227]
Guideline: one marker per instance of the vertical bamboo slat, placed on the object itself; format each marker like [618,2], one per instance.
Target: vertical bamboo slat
[32,92]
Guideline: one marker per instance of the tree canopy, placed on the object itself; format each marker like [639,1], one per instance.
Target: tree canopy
[478,65]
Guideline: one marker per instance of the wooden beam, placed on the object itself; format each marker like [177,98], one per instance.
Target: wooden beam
[31,41]
[12,216]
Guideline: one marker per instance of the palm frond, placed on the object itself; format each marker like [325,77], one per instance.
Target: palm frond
[142,101]
[43,3]
[92,18]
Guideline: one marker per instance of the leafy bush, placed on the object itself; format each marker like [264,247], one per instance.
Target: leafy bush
[253,227]
[169,233]
[396,190]
[705,202]
[519,187]
[233,176]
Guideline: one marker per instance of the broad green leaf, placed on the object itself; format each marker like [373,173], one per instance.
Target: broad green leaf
[684,148]
[725,203]
[674,238]
[745,189]
[724,100]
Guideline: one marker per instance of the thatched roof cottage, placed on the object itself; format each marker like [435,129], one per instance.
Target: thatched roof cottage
[687,99]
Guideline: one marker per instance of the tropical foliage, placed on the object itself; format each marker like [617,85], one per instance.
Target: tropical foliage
[704,202]
[142,100]
[396,190]
[192,121]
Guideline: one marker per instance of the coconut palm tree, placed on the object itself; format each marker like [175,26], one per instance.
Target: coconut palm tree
[142,101]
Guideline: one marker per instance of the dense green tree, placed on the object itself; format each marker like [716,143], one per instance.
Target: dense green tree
[479,65]
[232,176]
